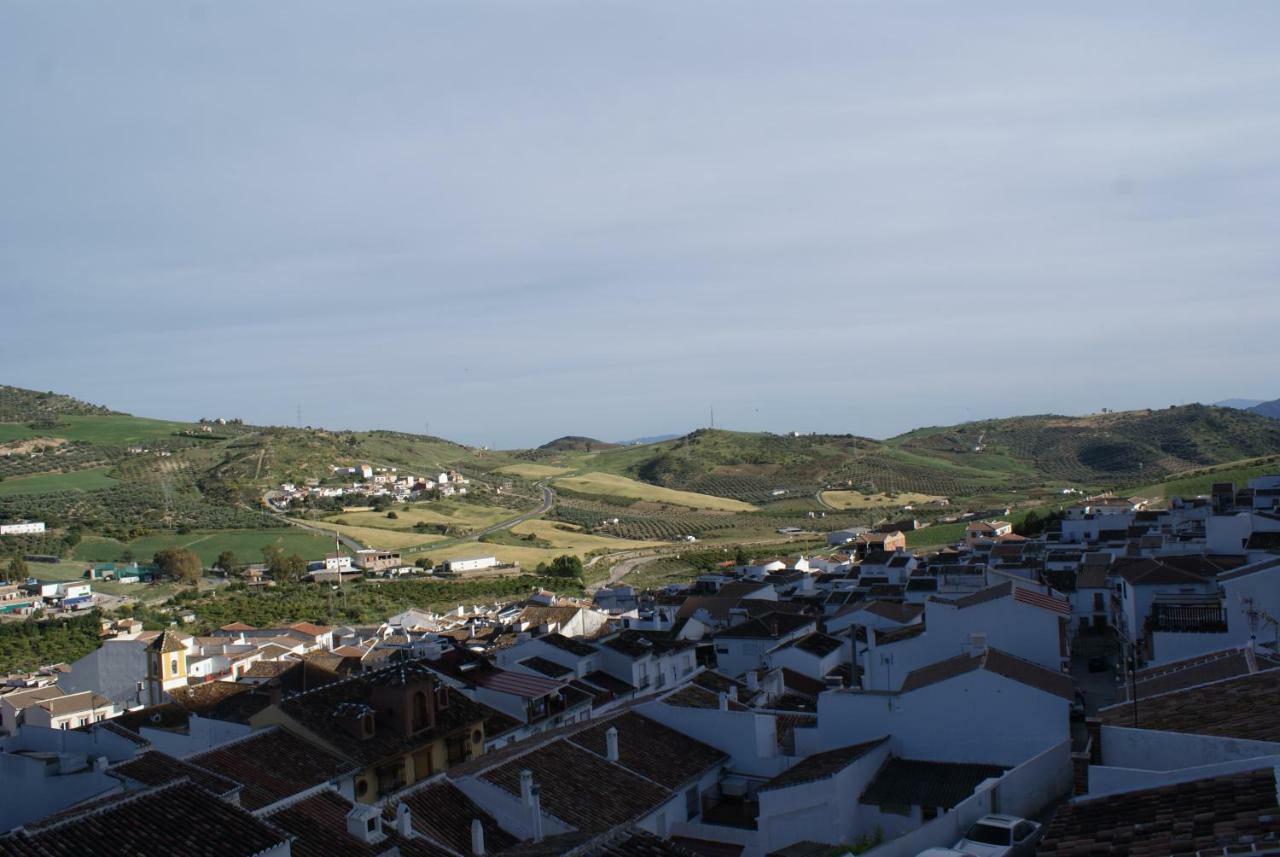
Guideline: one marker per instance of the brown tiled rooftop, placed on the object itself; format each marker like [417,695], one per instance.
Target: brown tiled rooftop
[441,811]
[154,768]
[318,825]
[1207,815]
[909,782]
[273,764]
[998,662]
[819,766]
[581,788]
[1245,707]
[648,748]
[167,820]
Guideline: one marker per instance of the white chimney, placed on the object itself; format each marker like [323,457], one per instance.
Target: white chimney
[404,822]
[977,643]
[536,808]
[364,822]
[724,701]
[526,787]
[733,692]
[753,680]
[477,838]
[611,744]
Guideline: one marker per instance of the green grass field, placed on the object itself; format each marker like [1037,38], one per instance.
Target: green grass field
[609,484]
[115,430]
[247,545]
[51,483]
[1200,482]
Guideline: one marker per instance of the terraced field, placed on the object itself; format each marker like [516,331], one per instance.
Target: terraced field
[609,484]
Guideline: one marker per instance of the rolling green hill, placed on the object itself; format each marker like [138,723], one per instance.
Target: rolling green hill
[84,468]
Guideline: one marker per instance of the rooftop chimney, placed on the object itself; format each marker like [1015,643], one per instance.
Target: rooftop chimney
[404,822]
[536,811]
[611,744]
[724,701]
[364,822]
[477,838]
[753,680]
[733,692]
[526,787]
[977,643]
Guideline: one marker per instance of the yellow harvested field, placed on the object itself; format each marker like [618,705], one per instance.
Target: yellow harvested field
[574,541]
[858,500]
[532,471]
[529,557]
[621,486]
[376,538]
[472,516]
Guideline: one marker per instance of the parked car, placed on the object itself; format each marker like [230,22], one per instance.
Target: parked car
[1000,836]
[1099,664]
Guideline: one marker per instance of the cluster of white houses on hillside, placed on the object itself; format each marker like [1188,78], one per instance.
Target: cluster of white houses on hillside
[371,482]
[870,697]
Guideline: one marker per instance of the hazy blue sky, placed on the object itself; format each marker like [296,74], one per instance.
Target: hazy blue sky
[521,220]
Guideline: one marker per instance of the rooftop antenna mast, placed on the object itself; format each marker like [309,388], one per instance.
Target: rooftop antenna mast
[713,416]
[299,416]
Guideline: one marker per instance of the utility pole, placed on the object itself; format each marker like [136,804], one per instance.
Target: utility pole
[713,416]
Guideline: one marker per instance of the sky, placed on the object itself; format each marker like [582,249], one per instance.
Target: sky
[511,221]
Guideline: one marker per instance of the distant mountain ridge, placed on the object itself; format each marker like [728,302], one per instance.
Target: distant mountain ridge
[1268,409]
[1239,404]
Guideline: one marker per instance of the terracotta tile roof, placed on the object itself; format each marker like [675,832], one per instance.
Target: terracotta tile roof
[315,710]
[897,635]
[819,766]
[693,696]
[638,644]
[442,812]
[707,847]
[574,647]
[1244,707]
[1092,577]
[1207,816]
[995,661]
[118,729]
[654,751]
[153,768]
[768,627]
[545,667]
[236,627]
[86,700]
[309,629]
[604,681]
[918,783]
[272,764]
[984,596]
[581,788]
[817,644]
[801,683]
[168,641]
[172,819]
[318,825]
[1216,666]
[717,681]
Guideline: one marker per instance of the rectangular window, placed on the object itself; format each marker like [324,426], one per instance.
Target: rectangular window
[895,809]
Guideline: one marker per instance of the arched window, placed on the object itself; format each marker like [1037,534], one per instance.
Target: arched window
[173,665]
[420,712]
